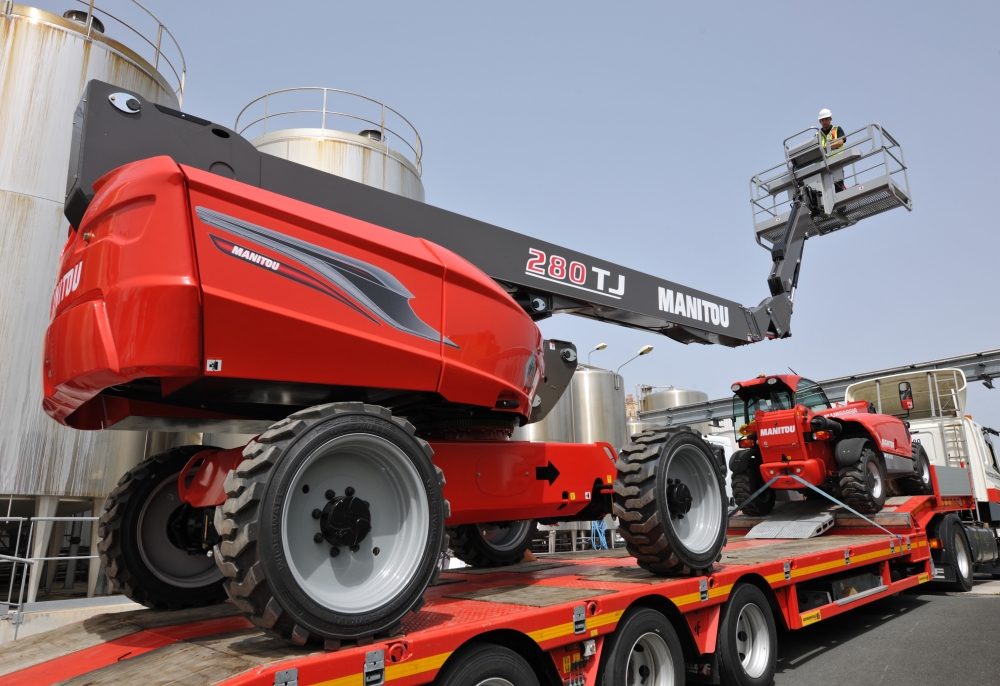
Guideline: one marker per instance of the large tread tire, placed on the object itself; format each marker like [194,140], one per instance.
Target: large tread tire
[250,555]
[920,483]
[118,530]
[745,485]
[956,546]
[640,503]
[858,486]
[469,546]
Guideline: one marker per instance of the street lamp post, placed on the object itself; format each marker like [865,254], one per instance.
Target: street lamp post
[599,346]
[644,350]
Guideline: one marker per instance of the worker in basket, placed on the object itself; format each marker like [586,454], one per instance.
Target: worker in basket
[834,136]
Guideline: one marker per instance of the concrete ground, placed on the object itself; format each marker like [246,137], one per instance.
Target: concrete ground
[928,639]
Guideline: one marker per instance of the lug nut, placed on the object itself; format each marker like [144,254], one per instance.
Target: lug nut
[349,492]
[375,551]
[318,538]
[330,495]
[334,551]
[317,513]
[355,548]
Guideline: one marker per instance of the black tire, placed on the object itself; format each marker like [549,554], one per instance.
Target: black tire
[863,484]
[920,483]
[646,642]
[492,545]
[261,575]
[663,537]
[957,553]
[746,484]
[476,663]
[141,563]
[748,639]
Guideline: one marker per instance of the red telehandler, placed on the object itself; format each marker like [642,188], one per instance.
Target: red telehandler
[383,349]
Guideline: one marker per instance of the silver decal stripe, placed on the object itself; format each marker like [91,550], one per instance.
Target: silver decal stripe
[375,289]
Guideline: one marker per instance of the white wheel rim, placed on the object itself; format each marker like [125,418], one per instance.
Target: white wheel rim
[874,480]
[382,474]
[961,556]
[494,681]
[650,662]
[699,529]
[505,537]
[753,641]
[167,562]
[925,472]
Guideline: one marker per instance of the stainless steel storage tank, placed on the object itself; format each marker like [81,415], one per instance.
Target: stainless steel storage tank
[652,399]
[46,61]
[592,409]
[309,126]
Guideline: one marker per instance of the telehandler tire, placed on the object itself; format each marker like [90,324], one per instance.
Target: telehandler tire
[141,560]
[334,525]
[745,484]
[670,500]
[492,545]
[920,482]
[863,484]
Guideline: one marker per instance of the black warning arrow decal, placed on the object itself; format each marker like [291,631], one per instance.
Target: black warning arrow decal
[549,473]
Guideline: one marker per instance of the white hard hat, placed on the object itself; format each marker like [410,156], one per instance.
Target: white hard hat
[823,114]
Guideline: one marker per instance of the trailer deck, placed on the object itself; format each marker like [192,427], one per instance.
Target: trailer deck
[546,606]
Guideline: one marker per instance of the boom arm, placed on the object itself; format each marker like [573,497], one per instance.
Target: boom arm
[545,278]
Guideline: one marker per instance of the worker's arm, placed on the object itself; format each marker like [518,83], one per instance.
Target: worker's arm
[839,141]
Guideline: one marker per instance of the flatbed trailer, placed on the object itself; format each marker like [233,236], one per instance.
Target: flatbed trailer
[559,613]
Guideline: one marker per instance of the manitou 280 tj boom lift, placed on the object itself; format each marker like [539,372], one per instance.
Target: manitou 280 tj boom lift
[385,349]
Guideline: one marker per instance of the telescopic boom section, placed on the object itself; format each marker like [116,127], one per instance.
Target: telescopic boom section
[544,278]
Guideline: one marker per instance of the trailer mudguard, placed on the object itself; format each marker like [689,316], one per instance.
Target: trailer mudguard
[848,451]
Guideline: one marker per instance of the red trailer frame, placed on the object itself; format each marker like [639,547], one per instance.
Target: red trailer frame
[544,610]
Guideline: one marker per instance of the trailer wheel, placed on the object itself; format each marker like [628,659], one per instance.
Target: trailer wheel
[957,553]
[486,664]
[670,498]
[643,650]
[136,545]
[745,485]
[920,482]
[863,484]
[334,525]
[492,545]
[748,641]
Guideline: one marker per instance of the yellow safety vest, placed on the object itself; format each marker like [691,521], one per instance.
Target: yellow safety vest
[823,138]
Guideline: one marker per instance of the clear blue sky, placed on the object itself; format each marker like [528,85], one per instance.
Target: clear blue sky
[630,131]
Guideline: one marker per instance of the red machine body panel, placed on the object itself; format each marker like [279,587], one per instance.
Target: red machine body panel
[231,281]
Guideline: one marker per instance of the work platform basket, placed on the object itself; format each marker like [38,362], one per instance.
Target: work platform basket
[870,165]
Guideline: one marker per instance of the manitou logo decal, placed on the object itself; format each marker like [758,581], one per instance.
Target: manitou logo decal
[888,443]
[249,256]
[777,431]
[841,413]
[575,274]
[693,308]
[69,282]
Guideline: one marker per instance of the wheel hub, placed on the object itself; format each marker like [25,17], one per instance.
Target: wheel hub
[345,520]
[679,498]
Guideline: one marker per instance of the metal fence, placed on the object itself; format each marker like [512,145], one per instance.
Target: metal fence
[319,109]
[159,44]
[14,609]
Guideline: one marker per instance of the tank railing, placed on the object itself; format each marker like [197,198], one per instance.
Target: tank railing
[157,47]
[416,148]
[27,562]
[879,151]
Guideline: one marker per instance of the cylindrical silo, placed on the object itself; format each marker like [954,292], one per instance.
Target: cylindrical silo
[46,61]
[592,409]
[651,399]
[339,132]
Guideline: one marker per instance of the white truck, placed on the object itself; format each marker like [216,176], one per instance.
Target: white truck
[932,403]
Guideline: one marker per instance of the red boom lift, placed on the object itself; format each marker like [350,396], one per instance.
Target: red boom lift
[385,349]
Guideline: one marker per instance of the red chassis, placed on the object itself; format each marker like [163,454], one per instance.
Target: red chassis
[175,289]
